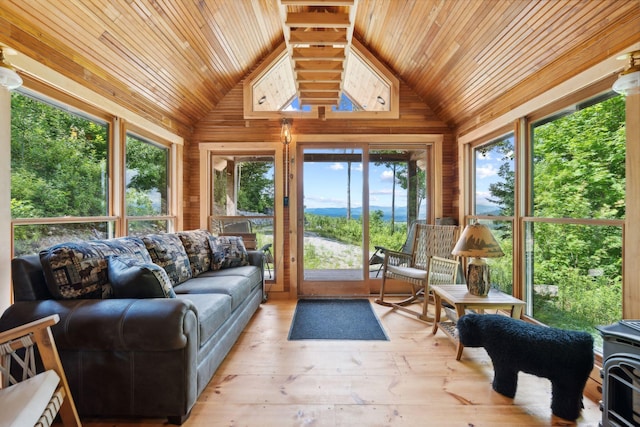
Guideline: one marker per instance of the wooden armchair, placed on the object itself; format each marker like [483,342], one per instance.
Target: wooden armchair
[430,262]
[28,397]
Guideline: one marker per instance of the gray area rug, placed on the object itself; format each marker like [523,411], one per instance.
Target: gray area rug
[336,319]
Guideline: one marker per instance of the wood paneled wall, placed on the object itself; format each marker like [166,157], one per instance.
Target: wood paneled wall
[225,123]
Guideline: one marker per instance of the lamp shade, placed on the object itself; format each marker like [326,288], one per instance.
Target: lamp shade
[477,241]
[629,80]
[285,132]
[8,77]
[627,83]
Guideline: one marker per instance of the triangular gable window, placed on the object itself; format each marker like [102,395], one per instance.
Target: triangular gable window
[294,105]
[369,89]
[346,104]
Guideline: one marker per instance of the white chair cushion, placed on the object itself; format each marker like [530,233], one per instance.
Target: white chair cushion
[22,404]
[414,273]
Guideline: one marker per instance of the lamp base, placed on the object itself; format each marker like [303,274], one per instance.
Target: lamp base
[478,279]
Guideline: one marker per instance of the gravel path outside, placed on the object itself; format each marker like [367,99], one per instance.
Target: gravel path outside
[337,254]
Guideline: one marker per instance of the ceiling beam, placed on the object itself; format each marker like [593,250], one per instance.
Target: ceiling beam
[320,102]
[317,2]
[318,86]
[319,66]
[302,38]
[317,20]
[318,36]
[319,76]
[309,94]
[318,53]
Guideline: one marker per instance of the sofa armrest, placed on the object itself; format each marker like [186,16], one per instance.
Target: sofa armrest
[154,324]
[28,279]
[256,258]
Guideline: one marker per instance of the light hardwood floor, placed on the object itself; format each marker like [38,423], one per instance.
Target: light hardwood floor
[411,380]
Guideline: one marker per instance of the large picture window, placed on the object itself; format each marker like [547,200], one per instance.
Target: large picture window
[574,239]
[147,186]
[58,171]
[69,184]
[493,202]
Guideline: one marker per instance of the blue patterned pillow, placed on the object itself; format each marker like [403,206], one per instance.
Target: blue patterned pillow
[75,270]
[196,244]
[227,252]
[131,247]
[79,269]
[167,251]
[131,278]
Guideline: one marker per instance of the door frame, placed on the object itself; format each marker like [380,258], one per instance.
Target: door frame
[209,149]
[364,141]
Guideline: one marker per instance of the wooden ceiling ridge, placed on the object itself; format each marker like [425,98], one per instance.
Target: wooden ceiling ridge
[318,37]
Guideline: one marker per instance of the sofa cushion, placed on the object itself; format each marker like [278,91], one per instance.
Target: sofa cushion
[167,251]
[79,269]
[250,272]
[228,252]
[212,309]
[131,278]
[196,244]
[237,287]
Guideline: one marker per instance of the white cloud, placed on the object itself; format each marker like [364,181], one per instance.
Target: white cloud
[482,197]
[322,202]
[386,175]
[336,166]
[486,171]
[382,191]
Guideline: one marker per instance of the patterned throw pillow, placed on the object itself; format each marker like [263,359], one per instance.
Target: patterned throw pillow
[196,244]
[131,247]
[131,278]
[79,269]
[75,270]
[167,251]
[227,252]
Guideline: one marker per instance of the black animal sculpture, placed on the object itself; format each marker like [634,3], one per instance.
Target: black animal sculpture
[564,357]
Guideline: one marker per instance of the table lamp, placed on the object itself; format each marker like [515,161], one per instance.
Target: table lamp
[477,242]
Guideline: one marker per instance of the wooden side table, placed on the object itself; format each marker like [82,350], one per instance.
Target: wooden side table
[461,299]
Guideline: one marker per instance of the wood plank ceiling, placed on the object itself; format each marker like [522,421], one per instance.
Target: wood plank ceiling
[173,61]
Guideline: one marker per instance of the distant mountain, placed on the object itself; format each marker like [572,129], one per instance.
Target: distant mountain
[401,212]
[487,210]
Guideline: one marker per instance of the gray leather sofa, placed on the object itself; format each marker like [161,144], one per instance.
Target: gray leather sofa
[139,356]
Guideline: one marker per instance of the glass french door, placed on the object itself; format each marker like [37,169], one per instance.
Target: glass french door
[332,237]
[355,199]
[397,182]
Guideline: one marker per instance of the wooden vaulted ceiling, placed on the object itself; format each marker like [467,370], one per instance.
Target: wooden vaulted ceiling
[173,61]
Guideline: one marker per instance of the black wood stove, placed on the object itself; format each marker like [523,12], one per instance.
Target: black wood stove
[621,374]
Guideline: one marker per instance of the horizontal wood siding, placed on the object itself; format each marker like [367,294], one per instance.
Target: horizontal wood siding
[225,123]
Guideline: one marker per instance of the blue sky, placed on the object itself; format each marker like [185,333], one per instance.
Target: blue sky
[486,174]
[488,164]
[325,184]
